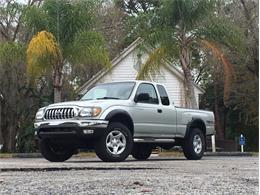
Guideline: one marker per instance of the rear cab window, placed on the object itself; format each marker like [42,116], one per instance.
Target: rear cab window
[163,95]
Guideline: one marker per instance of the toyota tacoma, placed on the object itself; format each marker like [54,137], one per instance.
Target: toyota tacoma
[121,118]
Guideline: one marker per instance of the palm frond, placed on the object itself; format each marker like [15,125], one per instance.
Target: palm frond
[88,49]
[223,32]
[11,54]
[185,13]
[229,73]
[64,18]
[43,54]
[153,64]
[35,19]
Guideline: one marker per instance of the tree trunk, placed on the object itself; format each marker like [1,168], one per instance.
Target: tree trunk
[57,84]
[218,110]
[57,94]
[11,138]
[218,126]
[9,128]
[185,64]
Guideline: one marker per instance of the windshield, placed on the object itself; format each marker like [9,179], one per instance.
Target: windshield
[120,91]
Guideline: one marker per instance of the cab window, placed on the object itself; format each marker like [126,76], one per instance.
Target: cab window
[163,95]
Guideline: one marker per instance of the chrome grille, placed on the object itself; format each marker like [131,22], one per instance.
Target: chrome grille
[59,113]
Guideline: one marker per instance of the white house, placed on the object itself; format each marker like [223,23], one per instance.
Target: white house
[125,67]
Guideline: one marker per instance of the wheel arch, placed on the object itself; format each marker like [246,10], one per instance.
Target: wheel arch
[121,116]
[196,123]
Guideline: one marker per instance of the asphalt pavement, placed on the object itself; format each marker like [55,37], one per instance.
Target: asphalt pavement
[158,175]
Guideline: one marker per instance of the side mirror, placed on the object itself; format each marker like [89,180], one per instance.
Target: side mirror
[142,97]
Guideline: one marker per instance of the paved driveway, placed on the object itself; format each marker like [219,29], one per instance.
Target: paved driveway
[158,175]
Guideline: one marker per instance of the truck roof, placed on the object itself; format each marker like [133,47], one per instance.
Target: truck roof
[136,81]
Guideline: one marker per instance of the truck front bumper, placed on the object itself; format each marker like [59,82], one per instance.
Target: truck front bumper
[70,128]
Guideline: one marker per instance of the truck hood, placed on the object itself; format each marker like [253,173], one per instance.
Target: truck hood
[89,103]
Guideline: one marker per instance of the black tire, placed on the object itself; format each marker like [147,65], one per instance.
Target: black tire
[53,152]
[141,151]
[105,153]
[190,151]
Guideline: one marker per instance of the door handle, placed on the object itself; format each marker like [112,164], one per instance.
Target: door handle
[159,110]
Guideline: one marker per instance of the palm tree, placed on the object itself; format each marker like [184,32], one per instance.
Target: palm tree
[44,56]
[64,37]
[178,27]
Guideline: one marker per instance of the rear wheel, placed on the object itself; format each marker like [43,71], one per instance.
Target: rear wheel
[194,145]
[54,152]
[141,151]
[116,143]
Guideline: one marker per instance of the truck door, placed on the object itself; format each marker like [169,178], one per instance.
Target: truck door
[168,117]
[147,114]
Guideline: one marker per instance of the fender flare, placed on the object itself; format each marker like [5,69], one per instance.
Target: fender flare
[115,112]
[189,129]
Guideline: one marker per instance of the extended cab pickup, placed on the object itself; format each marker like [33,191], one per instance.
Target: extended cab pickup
[121,118]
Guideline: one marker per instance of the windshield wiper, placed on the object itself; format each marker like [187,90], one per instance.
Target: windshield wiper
[114,98]
[85,99]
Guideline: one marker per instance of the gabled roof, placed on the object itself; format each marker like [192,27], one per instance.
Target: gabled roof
[118,59]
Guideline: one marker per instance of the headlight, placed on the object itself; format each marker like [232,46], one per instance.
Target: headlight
[39,114]
[90,112]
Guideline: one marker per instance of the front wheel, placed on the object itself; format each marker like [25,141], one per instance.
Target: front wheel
[54,152]
[116,143]
[194,145]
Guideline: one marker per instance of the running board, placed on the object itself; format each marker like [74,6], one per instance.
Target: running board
[151,140]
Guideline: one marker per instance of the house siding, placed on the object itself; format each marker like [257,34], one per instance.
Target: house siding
[173,85]
[125,71]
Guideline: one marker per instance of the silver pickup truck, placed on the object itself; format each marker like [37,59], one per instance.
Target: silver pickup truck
[121,118]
